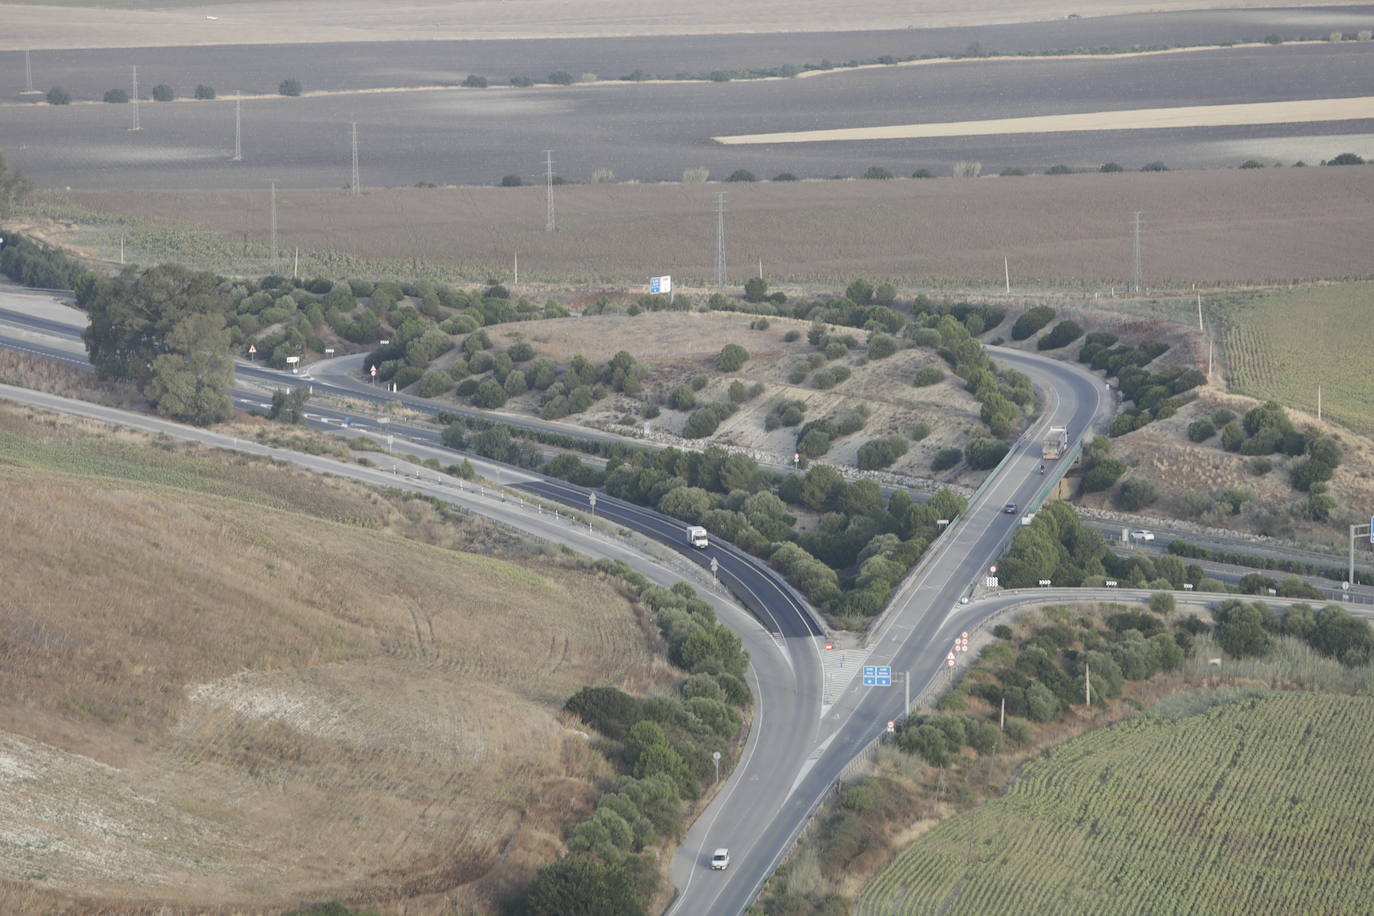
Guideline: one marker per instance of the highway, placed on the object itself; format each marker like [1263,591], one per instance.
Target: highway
[812,716]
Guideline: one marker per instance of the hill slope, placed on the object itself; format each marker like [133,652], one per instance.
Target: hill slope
[227,682]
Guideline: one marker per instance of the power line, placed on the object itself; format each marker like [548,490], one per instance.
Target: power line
[549,223]
[355,187]
[1135,277]
[238,123]
[272,244]
[135,101]
[720,239]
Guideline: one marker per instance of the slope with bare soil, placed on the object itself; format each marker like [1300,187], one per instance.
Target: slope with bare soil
[228,683]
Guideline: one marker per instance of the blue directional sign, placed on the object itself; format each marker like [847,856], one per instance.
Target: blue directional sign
[660,285]
[877,676]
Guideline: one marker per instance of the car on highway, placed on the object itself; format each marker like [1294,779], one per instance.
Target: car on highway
[720,859]
[1141,534]
[1009,508]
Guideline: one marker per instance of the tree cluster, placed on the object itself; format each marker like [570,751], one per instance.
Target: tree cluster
[1248,629]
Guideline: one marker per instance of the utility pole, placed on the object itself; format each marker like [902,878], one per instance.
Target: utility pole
[135,100]
[760,268]
[720,240]
[28,75]
[296,264]
[1002,718]
[272,243]
[354,186]
[1006,271]
[516,281]
[1088,683]
[1209,359]
[1199,311]
[238,112]
[1135,277]
[1319,403]
[550,225]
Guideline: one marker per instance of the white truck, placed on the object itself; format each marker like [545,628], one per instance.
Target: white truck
[696,537]
[1055,443]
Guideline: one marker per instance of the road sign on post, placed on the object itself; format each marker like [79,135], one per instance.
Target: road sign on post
[251,350]
[715,565]
[1371,529]
[891,726]
[374,370]
[877,676]
[1044,583]
[660,285]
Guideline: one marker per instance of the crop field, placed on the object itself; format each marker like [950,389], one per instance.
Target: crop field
[1236,227]
[656,131]
[1260,806]
[223,682]
[133,23]
[1283,346]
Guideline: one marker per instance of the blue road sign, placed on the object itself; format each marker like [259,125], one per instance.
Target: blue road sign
[1371,529]
[877,676]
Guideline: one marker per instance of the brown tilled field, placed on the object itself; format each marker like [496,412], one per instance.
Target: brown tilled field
[227,684]
[1218,227]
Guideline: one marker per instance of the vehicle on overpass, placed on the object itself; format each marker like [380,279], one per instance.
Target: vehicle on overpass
[1055,443]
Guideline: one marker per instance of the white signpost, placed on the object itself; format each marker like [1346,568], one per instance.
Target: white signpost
[660,286]
[291,361]
[251,350]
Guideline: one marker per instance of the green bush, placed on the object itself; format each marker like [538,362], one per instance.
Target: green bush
[561,78]
[1135,494]
[881,346]
[741,175]
[985,453]
[877,172]
[756,289]
[881,452]
[1031,321]
[291,87]
[1201,430]
[59,96]
[920,431]
[928,375]
[512,181]
[521,81]
[945,459]
[731,358]
[1061,335]
[474,81]
[1154,167]
[785,176]
[204,92]
[923,173]
[163,93]
[434,383]
[116,96]
[1102,475]
[1059,170]
[1111,167]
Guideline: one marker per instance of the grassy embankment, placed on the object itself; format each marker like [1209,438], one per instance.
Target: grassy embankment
[224,681]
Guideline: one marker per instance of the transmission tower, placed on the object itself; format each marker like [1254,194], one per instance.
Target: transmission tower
[134,99]
[272,245]
[354,186]
[549,224]
[720,240]
[28,75]
[238,124]
[1135,276]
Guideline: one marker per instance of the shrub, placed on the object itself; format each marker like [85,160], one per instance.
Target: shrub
[1258,467]
[1102,475]
[928,375]
[920,431]
[512,181]
[792,335]
[731,358]
[1135,494]
[291,87]
[59,96]
[1252,164]
[860,292]
[490,394]
[881,452]
[1154,167]
[881,346]
[1031,321]
[474,81]
[695,176]
[434,383]
[116,96]
[561,78]
[741,175]
[1061,335]
[785,176]
[756,289]
[945,459]
[1012,171]
[682,398]
[205,92]
[603,176]
[985,453]
[877,172]
[1059,170]
[1201,430]
[923,173]
[1346,159]
[1111,167]
[521,81]
[163,93]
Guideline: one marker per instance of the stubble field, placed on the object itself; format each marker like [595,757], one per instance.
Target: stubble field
[1239,227]
[225,683]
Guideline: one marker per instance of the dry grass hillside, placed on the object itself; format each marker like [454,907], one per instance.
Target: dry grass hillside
[232,685]
[680,345]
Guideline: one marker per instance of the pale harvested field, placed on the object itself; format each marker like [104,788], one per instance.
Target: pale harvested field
[1231,227]
[224,683]
[1299,112]
[135,24]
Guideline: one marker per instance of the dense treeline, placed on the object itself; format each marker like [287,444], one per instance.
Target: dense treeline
[662,747]
[32,263]
[1186,549]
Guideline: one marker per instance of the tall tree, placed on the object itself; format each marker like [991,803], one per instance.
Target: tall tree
[192,381]
[14,187]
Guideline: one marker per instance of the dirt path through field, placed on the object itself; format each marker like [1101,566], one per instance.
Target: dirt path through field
[1301,111]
